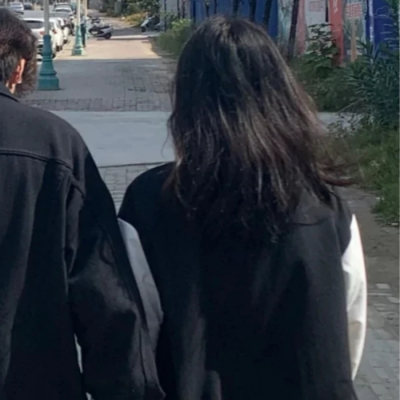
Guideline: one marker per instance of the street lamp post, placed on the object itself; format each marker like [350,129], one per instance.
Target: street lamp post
[78,47]
[85,13]
[47,75]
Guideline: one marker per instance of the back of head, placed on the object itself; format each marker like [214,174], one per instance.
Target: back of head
[17,43]
[246,137]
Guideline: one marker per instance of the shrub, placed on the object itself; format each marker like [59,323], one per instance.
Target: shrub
[373,81]
[133,8]
[317,70]
[369,86]
[150,6]
[329,92]
[376,152]
[135,19]
[173,39]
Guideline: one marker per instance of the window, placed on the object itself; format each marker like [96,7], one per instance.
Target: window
[62,9]
[35,24]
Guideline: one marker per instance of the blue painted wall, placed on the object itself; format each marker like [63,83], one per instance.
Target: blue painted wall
[225,7]
[378,20]
[381,22]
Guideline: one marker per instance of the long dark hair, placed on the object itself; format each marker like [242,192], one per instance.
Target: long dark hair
[17,42]
[247,138]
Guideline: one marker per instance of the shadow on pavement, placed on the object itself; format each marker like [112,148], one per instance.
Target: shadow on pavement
[126,31]
[132,39]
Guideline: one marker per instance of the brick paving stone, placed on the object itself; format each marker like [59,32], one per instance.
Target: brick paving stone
[115,76]
[378,377]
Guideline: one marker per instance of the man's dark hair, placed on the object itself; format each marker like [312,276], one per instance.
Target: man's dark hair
[17,42]
[247,138]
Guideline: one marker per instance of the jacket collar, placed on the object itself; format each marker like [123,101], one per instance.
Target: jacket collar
[5,92]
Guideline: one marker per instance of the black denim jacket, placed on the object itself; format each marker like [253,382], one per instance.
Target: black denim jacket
[63,271]
[246,318]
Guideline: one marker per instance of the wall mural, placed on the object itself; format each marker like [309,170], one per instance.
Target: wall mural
[354,13]
[311,12]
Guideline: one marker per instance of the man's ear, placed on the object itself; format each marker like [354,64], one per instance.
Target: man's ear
[16,77]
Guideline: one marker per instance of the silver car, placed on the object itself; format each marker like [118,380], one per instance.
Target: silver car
[67,18]
[63,8]
[36,25]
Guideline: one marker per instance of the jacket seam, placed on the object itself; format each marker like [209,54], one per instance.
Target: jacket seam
[39,157]
[75,183]
[35,156]
[60,179]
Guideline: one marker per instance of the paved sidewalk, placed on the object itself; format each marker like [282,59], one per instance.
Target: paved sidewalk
[378,377]
[122,138]
[121,74]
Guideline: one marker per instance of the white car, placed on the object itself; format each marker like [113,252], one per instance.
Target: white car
[36,25]
[63,8]
[64,28]
[57,30]
[68,20]
[63,12]
[17,8]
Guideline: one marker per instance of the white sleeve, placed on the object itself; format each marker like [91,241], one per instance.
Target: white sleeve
[144,279]
[356,286]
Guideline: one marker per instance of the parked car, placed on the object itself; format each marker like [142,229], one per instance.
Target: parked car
[65,27]
[62,12]
[16,7]
[56,28]
[62,6]
[28,5]
[68,19]
[74,8]
[36,25]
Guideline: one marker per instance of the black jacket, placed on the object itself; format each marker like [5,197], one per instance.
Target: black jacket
[246,320]
[63,271]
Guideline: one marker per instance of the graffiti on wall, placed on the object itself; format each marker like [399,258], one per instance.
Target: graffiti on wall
[311,12]
[284,20]
[353,27]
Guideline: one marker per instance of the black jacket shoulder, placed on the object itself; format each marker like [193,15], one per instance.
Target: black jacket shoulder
[152,181]
[36,133]
[143,197]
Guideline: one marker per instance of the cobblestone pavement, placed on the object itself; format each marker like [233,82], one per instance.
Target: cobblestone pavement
[378,377]
[121,74]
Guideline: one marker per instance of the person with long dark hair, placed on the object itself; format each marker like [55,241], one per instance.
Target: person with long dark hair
[256,259]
